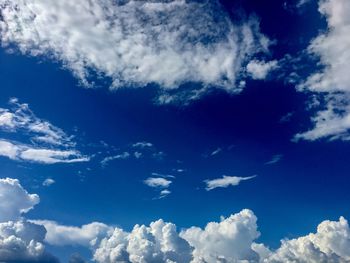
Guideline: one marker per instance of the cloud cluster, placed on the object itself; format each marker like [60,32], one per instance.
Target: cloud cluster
[332,49]
[160,182]
[47,143]
[134,43]
[225,181]
[160,242]
[20,240]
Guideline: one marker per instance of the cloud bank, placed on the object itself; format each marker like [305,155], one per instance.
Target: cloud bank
[135,43]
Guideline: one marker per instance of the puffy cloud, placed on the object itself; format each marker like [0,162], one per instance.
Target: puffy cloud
[48,182]
[227,241]
[332,48]
[61,235]
[135,43]
[225,181]
[15,200]
[21,242]
[260,69]
[157,182]
[330,243]
[159,242]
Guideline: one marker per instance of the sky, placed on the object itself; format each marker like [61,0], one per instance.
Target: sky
[174,131]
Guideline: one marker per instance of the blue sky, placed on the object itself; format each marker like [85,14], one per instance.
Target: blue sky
[124,113]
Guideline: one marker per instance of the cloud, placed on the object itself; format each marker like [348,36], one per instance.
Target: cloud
[159,242]
[20,118]
[142,145]
[331,83]
[275,159]
[47,143]
[48,182]
[330,243]
[227,241]
[134,43]
[260,69]
[15,201]
[20,152]
[122,156]
[22,242]
[216,152]
[157,182]
[61,235]
[225,181]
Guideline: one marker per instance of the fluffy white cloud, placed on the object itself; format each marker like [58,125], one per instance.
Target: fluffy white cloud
[14,200]
[330,243]
[86,235]
[135,42]
[157,182]
[332,48]
[225,181]
[159,242]
[227,241]
[21,242]
[260,69]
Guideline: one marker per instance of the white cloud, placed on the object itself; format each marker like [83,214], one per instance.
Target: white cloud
[157,182]
[122,156]
[48,182]
[22,242]
[159,242]
[275,159]
[86,235]
[330,243]
[48,143]
[225,181]
[20,117]
[14,200]
[19,152]
[142,145]
[332,48]
[260,69]
[227,241]
[216,152]
[135,42]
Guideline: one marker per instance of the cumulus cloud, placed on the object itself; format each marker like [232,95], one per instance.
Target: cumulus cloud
[260,69]
[22,242]
[157,182]
[159,242]
[135,43]
[227,241]
[47,143]
[61,235]
[331,83]
[15,200]
[225,181]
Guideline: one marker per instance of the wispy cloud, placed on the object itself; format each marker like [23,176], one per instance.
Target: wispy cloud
[46,143]
[225,182]
[275,159]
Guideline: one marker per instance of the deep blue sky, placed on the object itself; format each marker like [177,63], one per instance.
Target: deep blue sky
[309,183]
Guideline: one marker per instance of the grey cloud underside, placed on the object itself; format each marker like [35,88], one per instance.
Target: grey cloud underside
[135,43]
